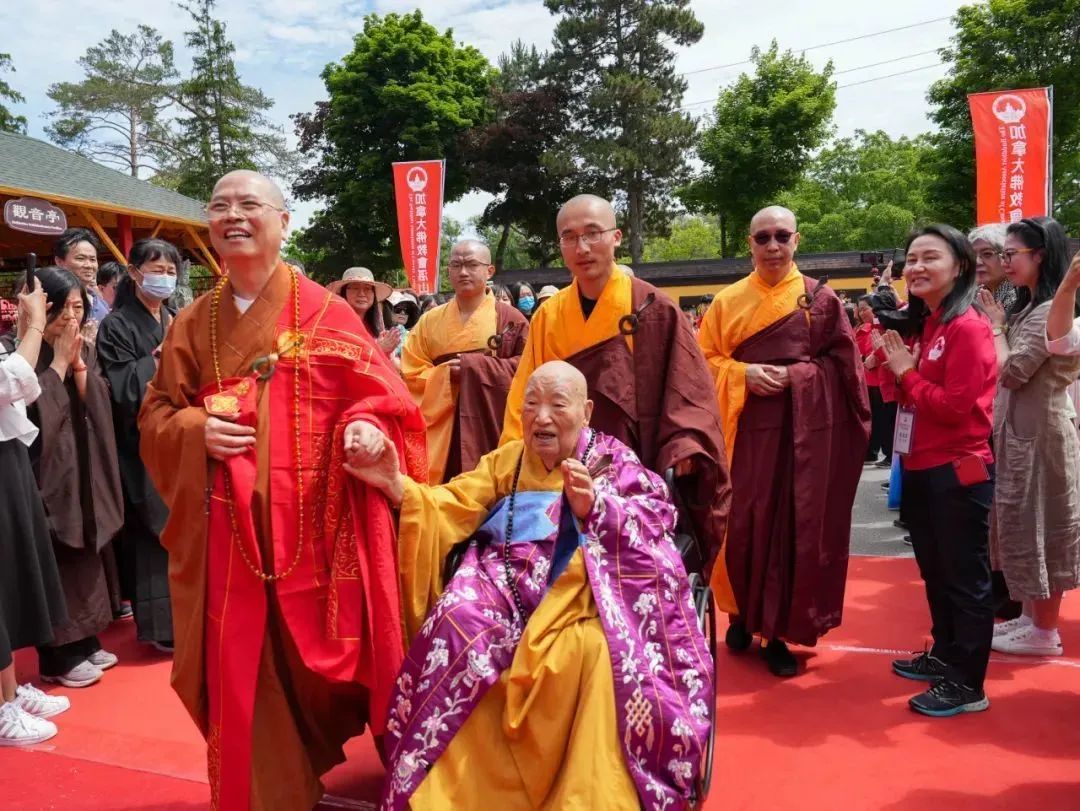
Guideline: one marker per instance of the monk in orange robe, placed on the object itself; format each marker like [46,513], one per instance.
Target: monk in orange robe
[796,421]
[458,362]
[282,569]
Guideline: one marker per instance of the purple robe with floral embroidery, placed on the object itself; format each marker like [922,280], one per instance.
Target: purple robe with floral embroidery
[660,661]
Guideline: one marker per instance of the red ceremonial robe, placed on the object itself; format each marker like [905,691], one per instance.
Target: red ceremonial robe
[795,468]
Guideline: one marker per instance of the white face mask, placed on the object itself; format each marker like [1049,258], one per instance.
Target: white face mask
[158,286]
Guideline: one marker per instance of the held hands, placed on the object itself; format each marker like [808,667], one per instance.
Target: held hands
[994,311]
[766,380]
[578,487]
[225,439]
[372,458]
[897,356]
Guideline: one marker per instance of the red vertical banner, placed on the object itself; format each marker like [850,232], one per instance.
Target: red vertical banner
[1013,170]
[418,193]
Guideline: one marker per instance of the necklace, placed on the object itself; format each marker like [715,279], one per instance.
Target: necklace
[507,572]
[234,530]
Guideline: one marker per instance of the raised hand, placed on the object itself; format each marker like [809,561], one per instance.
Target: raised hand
[32,309]
[897,356]
[578,487]
[388,340]
[994,311]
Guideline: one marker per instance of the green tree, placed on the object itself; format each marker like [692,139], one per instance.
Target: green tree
[519,250]
[114,115]
[405,92]
[998,45]
[222,122]
[9,122]
[690,238]
[863,193]
[765,129]
[630,137]
[518,157]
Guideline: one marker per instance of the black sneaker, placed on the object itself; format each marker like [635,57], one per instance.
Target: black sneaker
[923,667]
[899,524]
[947,698]
[884,463]
[737,637]
[779,659]
[884,485]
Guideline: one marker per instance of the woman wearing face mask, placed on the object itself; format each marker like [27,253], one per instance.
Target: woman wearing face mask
[524,298]
[127,345]
[74,461]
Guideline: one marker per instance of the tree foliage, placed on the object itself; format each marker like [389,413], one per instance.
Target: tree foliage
[222,125]
[690,238]
[9,122]
[998,45]
[765,129]
[630,139]
[114,115]
[405,92]
[519,158]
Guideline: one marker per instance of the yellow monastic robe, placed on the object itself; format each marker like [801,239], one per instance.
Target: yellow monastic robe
[559,329]
[545,736]
[440,332]
[737,313]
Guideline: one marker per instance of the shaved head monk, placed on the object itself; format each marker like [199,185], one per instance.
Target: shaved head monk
[282,567]
[458,362]
[796,420]
[557,667]
[646,375]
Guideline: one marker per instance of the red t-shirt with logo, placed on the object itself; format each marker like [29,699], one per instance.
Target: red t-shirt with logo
[952,392]
[866,346]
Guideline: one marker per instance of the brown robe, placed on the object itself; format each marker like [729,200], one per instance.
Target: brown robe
[74,460]
[482,388]
[795,468]
[301,720]
[659,399]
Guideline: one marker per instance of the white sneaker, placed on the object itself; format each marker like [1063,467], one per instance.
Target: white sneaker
[20,728]
[1029,641]
[82,675]
[39,704]
[1007,627]
[102,659]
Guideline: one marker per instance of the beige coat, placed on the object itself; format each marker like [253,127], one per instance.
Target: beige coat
[1035,522]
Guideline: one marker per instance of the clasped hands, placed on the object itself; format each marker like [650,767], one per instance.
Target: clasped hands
[898,357]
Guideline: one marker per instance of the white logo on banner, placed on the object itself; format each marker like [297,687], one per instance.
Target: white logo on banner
[1009,109]
[417,179]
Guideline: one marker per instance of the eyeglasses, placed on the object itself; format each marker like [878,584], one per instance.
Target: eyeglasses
[220,209]
[989,254]
[781,237]
[474,265]
[589,238]
[1007,256]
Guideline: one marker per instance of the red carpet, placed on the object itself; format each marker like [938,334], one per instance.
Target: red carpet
[840,735]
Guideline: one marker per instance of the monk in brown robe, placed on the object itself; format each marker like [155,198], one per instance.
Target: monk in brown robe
[287,616]
[649,383]
[796,419]
[458,362]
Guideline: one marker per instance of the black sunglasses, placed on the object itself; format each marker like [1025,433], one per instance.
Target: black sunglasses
[782,237]
[403,309]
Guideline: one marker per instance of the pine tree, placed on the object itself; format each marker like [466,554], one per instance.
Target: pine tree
[9,122]
[614,60]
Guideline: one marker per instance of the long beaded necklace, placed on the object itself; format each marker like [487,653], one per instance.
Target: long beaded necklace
[235,537]
[507,572]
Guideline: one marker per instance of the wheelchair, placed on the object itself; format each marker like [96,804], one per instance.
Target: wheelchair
[695,558]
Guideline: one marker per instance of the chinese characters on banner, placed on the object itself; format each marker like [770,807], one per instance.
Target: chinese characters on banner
[418,191]
[34,216]
[1012,153]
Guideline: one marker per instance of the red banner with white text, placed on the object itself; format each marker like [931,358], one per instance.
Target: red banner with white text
[1013,171]
[418,192]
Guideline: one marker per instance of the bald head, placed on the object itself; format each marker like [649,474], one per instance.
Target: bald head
[554,412]
[470,269]
[262,186]
[777,215]
[474,248]
[595,209]
[560,373]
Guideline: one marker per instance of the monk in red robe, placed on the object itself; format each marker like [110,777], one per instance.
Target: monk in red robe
[796,421]
[284,585]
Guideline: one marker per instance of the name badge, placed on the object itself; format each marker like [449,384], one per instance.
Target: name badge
[905,430]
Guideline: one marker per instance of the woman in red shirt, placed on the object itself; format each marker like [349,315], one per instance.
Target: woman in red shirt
[946,393]
[881,413]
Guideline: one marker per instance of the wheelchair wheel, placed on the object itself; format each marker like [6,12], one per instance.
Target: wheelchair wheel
[705,607]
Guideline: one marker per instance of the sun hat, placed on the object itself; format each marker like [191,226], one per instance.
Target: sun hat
[547,291]
[360,276]
[403,297]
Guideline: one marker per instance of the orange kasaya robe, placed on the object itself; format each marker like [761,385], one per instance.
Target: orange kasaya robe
[441,333]
[278,676]
[736,313]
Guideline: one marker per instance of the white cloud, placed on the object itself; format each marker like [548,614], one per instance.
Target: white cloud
[282,46]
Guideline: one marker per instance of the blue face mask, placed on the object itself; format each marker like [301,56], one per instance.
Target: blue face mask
[158,286]
[526,304]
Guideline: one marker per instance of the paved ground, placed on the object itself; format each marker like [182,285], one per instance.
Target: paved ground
[872,530]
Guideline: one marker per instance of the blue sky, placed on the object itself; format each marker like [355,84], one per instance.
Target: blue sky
[282,46]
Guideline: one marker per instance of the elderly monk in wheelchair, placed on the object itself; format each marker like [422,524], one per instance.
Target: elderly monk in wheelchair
[561,665]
